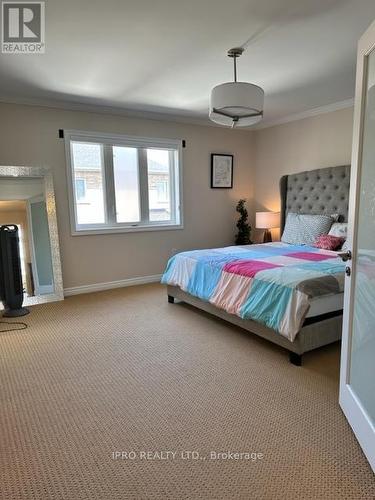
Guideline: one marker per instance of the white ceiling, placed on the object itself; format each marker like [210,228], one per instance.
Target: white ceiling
[164,56]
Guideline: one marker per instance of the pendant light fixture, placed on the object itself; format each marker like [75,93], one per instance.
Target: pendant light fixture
[236,104]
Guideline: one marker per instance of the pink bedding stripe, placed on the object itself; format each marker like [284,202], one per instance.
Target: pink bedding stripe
[311,256]
[231,292]
[248,267]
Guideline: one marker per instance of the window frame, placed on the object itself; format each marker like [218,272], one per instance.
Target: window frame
[109,141]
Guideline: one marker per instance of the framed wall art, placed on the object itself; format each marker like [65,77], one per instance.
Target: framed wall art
[221,171]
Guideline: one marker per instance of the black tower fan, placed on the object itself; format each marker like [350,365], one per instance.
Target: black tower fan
[11,288]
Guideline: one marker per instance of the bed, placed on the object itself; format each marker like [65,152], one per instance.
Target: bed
[291,295]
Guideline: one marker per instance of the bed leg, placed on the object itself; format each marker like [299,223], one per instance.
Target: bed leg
[295,359]
[170,299]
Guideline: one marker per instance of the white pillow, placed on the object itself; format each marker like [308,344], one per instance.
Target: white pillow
[339,229]
[304,229]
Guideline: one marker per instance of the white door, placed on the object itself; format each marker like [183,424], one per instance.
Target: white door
[357,378]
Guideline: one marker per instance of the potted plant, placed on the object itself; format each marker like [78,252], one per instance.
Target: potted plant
[244,228]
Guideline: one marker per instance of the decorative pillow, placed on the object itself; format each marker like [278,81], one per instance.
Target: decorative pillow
[335,217]
[304,229]
[329,242]
[339,229]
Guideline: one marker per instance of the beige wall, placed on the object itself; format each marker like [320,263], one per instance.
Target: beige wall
[29,136]
[18,217]
[320,141]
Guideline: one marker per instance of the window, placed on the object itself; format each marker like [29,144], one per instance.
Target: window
[87,163]
[120,183]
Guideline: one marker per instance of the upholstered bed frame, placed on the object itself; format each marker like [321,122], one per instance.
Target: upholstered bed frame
[321,191]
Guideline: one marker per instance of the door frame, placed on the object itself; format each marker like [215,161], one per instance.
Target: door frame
[356,415]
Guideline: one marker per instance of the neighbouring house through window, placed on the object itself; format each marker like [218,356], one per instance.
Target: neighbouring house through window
[80,189]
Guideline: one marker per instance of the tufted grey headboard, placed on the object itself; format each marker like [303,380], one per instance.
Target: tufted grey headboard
[321,191]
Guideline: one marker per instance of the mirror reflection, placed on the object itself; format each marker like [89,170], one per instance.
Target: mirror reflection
[24,230]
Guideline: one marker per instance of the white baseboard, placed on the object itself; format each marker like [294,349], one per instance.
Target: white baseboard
[98,287]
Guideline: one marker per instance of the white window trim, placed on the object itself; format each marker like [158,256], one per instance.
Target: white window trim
[121,140]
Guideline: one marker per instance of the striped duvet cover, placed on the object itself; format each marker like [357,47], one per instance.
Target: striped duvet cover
[272,283]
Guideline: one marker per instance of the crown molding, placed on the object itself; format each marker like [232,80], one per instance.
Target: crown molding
[168,117]
[111,110]
[336,106]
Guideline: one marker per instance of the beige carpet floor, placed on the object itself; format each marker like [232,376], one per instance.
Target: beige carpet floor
[123,371]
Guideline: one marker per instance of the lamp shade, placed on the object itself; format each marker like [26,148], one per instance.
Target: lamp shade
[236,100]
[267,220]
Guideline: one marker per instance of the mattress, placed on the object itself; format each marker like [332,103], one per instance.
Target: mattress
[275,284]
[325,305]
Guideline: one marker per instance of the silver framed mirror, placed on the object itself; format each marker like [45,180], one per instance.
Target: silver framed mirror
[27,200]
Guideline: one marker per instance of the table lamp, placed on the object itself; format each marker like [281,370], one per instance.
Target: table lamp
[267,221]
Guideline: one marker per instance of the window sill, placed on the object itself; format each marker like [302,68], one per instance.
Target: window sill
[135,229]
